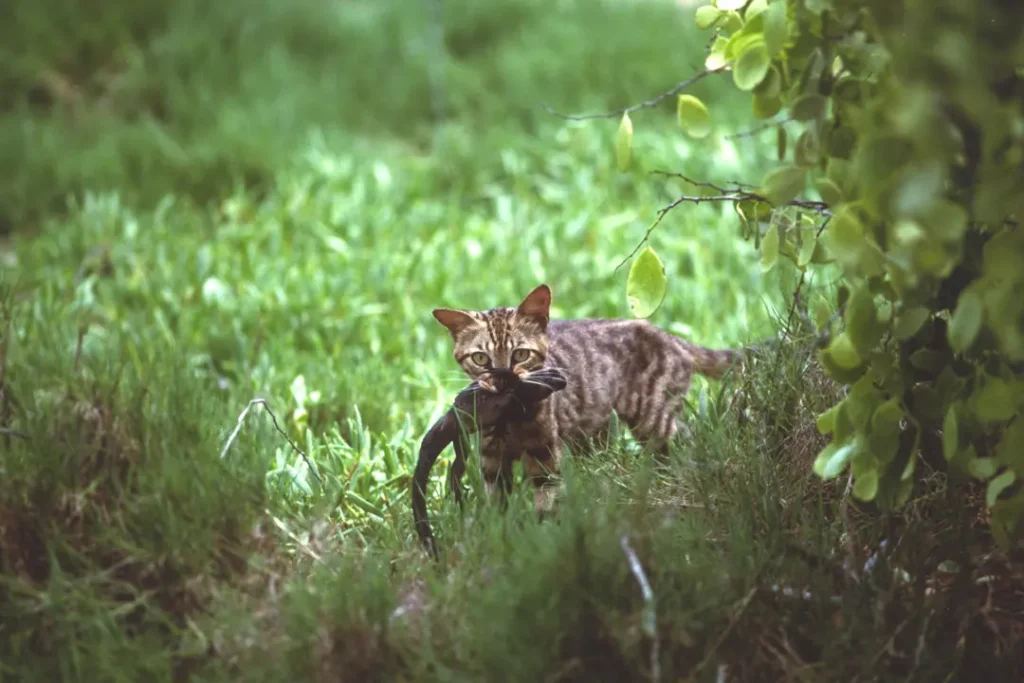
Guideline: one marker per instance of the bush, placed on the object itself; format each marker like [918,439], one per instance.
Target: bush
[908,127]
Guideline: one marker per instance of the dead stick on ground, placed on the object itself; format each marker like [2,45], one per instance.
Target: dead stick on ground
[728,629]
[650,619]
[241,421]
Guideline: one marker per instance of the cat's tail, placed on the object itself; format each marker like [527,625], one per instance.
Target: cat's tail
[713,363]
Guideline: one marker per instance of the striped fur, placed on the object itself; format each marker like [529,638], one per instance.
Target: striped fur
[631,367]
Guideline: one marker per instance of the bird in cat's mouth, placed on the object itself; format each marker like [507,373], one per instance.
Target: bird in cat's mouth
[499,380]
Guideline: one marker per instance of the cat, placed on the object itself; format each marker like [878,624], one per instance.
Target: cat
[631,367]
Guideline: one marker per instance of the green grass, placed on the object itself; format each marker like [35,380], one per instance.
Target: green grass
[146,97]
[276,220]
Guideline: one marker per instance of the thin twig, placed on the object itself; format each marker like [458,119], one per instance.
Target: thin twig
[241,421]
[653,102]
[851,544]
[800,284]
[733,194]
[758,129]
[728,629]
[6,431]
[650,618]
[737,193]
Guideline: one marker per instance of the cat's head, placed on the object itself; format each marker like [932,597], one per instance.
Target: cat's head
[500,346]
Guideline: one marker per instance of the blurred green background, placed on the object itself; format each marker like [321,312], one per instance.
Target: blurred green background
[281,189]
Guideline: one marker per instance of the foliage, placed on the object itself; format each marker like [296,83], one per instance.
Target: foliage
[908,121]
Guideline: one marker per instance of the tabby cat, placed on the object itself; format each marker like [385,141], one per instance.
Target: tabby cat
[631,367]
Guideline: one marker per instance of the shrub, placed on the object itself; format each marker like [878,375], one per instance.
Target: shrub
[908,127]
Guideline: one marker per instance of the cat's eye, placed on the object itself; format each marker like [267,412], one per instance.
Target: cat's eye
[480,358]
[520,355]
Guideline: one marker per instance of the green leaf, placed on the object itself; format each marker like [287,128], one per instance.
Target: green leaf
[983,468]
[822,313]
[752,66]
[771,86]
[716,58]
[910,321]
[783,184]
[998,485]
[878,157]
[780,143]
[845,236]
[866,486]
[731,22]
[646,284]
[844,352]
[995,401]
[1010,450]
[946,220]
[770,248]
[776,27]
[950,434]
[887,416]
[624,143]
[807,248]
[830,192]
[693,116]
[833,460]
[826,422]
[706,16]
[765,107]
[730,4]
[862,320]
[807,150]
[755,8]
[966,320]
[908,471]
[807,107]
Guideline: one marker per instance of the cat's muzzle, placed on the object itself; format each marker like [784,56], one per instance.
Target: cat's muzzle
[499,380]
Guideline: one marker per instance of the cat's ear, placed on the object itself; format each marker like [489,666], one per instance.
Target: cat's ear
[537,304]
[455,321]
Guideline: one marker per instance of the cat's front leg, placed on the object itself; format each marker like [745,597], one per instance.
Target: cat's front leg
[540,465]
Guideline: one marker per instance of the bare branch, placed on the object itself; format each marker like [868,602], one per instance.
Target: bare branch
[681,86]
[758,129]
[13,432]
[733,620]
[650,619]
[241,421]
[736,193]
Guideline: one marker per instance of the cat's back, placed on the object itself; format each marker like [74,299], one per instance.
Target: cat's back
[599,355]
[605,335]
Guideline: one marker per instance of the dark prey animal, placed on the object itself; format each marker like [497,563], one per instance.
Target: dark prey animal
[489,414]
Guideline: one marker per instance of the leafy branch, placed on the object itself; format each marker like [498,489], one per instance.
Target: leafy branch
[735,193]
[646,104]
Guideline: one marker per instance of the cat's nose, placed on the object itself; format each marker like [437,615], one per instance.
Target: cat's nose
[503,379]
